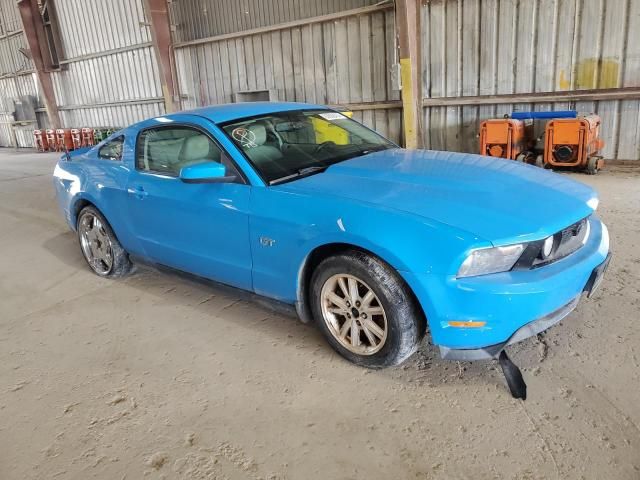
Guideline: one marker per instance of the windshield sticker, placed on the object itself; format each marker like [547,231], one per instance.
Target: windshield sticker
[332,116]
[245,137]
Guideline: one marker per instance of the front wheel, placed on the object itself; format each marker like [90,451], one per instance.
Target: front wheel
[365,310]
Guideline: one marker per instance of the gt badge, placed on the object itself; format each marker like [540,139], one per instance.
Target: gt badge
[267,242]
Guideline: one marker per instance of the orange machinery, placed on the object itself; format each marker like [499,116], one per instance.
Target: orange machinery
[506,138]
[40,140]
[87,137]
[574,143]
[63,140]
[50,135]
[76,139]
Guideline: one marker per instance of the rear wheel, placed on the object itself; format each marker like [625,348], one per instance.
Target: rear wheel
[365,310]
[100,247]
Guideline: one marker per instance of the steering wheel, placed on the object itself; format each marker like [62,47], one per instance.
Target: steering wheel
[324,145]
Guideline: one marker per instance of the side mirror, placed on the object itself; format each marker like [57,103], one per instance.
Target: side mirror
[205,172]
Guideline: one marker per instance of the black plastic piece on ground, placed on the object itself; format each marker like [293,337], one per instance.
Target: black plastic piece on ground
[513,375]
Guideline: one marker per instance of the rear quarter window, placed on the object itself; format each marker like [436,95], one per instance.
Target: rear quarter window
[112,150]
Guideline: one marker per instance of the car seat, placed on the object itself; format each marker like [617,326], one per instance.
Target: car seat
[256,150]
[196,149]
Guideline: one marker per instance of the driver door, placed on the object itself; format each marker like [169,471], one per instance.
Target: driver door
[200,228]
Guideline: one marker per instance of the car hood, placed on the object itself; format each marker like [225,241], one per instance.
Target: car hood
[499,200]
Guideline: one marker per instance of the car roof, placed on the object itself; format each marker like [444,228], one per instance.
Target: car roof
[232,111]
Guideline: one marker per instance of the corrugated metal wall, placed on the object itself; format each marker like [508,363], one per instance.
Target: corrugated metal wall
[95,26]
[12,89]
[195,19]
[6,137]
[11,59]
[471,48]
[494,47]
[9,17]
[16,79]
[343,61]
[111,75]
[16,86]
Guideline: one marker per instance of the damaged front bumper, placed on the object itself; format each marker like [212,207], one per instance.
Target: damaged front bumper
[508,307]
[527,331]
[530,329]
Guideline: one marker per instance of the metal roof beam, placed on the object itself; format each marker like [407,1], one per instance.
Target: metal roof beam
[32,24]
[408,14]
[158,15]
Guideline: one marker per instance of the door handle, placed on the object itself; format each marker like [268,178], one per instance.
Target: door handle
[138,192]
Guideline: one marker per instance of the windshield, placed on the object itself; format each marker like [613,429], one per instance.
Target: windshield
[288,145]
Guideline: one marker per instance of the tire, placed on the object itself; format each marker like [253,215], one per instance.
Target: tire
[592,165]
[401,319]
[540,161]
[94,229]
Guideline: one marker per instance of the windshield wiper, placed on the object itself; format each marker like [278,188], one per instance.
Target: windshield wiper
[302,172]
[358,153]
[371,150]
[314,169]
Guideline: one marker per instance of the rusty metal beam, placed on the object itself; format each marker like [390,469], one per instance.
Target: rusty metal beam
[104,53]
[158,15]
[602,94]
[408,14]
[362,106]
[32,24]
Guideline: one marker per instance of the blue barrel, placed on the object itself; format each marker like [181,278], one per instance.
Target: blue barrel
[539,115]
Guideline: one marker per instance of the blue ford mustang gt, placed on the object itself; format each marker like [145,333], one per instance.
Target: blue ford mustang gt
[376,244]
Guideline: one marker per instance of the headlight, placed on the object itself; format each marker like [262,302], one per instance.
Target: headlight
[490,260]
[587,233]
[547,247]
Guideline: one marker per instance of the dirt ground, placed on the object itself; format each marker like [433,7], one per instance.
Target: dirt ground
[157,377]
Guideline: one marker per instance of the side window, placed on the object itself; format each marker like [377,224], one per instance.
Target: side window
[168,150]
[112,150]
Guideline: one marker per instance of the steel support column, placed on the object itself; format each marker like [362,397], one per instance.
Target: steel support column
[408,27]
[158,16]
[32,24]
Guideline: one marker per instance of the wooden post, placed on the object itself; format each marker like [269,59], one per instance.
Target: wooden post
[158,16]
[31,25]
[408,14]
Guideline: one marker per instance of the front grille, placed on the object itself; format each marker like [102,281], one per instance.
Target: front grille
[566,241]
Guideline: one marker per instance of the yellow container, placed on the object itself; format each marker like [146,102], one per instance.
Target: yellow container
[328,132]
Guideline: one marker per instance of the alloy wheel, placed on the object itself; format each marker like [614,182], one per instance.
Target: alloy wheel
[96,244]
[354,314]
